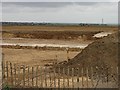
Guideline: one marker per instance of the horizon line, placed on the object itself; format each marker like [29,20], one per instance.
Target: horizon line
[58,22]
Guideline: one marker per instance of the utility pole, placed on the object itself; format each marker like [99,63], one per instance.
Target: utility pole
[102,21]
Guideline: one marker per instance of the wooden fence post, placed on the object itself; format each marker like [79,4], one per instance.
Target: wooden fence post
[32,76]
[107,76]
[68,76]
[59,77]
[19,74]
[82,77]
[28,75]
[11,72]
[15,73]
[78,72]
[41,78]
[92,77]
[50,79]
[87,76]
[3,70]
[102,76]
[54,78]
[45,69]
[7,68]
[63,77]
[118,77]
[37,76]
[24,75]
[72,77]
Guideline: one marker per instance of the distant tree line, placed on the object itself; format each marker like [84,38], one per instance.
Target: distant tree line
[23,23]
[37,24]
[86,24]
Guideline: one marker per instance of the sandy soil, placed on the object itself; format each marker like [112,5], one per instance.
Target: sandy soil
[33,57]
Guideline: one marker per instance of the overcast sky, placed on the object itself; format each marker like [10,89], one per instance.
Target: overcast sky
[59,0]
[61,12]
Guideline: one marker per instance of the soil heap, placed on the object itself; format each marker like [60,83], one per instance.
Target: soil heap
[101,54]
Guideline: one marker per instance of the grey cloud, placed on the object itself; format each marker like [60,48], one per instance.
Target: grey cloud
[60,11]
[60,0]
[86,3]
[12,7]
[47,4]
[37,4]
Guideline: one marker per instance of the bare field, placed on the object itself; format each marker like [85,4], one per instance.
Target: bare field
[59,28]
[53,35]
[54,32]
[33,57]
[65,35]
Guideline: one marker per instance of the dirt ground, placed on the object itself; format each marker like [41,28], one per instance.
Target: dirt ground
[46,41]
[58,35]
[54,32]
[33,57]
[59,28]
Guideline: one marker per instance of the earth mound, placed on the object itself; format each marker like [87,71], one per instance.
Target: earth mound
[101,55]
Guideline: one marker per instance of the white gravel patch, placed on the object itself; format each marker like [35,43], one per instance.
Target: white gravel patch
[82,46]
[102,34]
